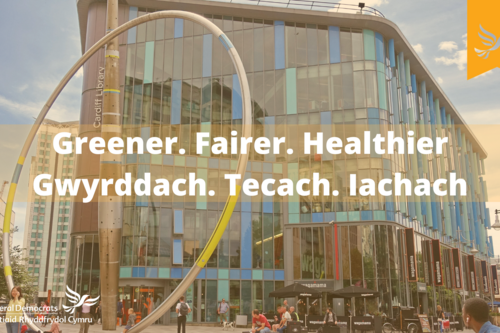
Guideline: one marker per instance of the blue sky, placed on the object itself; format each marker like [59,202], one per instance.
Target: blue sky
[40,41]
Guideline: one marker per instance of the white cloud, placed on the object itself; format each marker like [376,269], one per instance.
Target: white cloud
[464,39]
[439,80]
[32,109]
[418,48]
[459,59]
[448,46]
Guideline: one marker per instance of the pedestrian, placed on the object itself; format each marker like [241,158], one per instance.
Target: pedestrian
[130,321]
[293,314]
[277,319]
[98,313]
[119,311]
[14,315]
[85,316]
[222,311]
[182,310]
[475,313]
[330,318]
[260,323]
[285,304]
[54,327]
[440,316]
[284,321]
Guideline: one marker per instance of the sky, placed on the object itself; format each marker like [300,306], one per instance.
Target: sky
[40,41]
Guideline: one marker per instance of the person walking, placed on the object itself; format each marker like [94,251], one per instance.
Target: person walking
[475,313]
[330,318]
[131,320]
[260,323]
[86,316]
[440,317]
[222,311]
[14,315]
[182,310]
[119,312]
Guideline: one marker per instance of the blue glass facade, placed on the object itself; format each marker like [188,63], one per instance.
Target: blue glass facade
[339,80]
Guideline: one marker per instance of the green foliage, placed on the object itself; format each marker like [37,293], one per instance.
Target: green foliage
[22,277]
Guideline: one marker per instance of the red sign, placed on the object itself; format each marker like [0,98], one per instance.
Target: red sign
[411,261]
[472,273]
[436,262]
[457,271]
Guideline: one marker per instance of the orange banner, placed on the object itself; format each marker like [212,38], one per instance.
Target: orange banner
[483,36]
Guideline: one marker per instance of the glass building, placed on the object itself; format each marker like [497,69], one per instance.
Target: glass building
[308,67]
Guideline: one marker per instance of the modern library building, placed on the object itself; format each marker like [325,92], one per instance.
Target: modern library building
[314,67]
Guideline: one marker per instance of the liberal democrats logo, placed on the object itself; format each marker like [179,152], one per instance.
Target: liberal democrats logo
[483,36]
[488,39]
[77,300]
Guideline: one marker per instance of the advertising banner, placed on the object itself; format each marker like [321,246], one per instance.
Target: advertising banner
[410,255]
[484,271]
[494,279]
[471,268]
[457,271]
[436,262]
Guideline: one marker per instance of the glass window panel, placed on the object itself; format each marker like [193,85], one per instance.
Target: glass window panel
[345,46]
[150,31]
[312,45]
[357,45]
[248,50]
[301,42]
[187,61]
[323,88]
[169,28]
[371,89]
[160,29]
[335,87]
[178,54]
[355,244]
[323,56]
[319,253]
[313,87]
[257,295]
[269,93]
[302,87]
[347,86]
[257,240]
[216,57]
[280,96]
[258,49]
[359,89]
[306,253]
[290,45]
[268,241]
[158,62]
[268,48]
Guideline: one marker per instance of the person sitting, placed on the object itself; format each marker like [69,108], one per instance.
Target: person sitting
[277,319]
[54,327]
[259,322]
[284,321]
[294,314]
[330,318]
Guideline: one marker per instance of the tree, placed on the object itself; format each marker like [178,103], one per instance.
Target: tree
[22,276]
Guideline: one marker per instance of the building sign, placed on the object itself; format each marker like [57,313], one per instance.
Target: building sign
[317,284]
[411,262]
[363,323]
[436,262]
[494,279]
[484,272]
[421,287]
[98,98]
[457,272]
[472,273]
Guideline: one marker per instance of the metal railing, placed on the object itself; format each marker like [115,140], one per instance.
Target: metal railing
[311,5]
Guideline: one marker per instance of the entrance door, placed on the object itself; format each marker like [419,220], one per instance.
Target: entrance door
[423,305]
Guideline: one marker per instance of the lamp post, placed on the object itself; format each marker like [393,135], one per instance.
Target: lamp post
[496,225]
[460,262]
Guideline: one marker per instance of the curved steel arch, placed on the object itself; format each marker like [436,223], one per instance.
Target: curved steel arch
[240,169]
